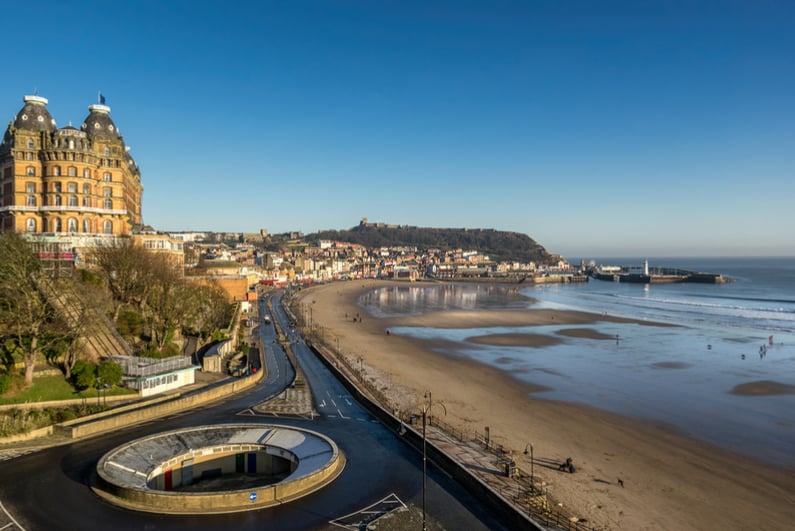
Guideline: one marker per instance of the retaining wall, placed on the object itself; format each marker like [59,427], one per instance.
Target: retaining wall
[134,413]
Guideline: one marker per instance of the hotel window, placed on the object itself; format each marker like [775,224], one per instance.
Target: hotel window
[107,227]
[31,225]
[107,152]
[31,145]
[108,204]
[30,188]
[86,202]
[86,226]
[57,188]
[72,171]
[28,156]
[86,173]
[72,224]
[56,171]
[56,225]
[106,177]
[73,200]
[31,200]
[31,171]
[71,188]
[86,189]
[107,192]
[71,144]
[57,200]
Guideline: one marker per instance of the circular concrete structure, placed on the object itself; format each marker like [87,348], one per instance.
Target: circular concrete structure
[218,469]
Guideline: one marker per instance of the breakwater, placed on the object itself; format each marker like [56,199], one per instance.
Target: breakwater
[657,275]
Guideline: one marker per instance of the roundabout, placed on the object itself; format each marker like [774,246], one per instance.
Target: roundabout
[217,469]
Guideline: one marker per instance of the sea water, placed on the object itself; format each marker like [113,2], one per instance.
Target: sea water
[724,335]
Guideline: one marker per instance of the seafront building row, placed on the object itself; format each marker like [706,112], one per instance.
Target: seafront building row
[70,189]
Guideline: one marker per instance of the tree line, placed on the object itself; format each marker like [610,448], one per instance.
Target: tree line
[142,294]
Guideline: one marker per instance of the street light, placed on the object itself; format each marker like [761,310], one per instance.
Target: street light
[426,409]
[532,475]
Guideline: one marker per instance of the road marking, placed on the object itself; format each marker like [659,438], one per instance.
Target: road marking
[7,455]
[334,403]
[361,519]
[13,522]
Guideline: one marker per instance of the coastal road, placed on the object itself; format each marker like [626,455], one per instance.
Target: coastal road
[49,489]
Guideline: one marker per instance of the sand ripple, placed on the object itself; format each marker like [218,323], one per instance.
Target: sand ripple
[671,365]
[763,388]
[587,333]
[515,340]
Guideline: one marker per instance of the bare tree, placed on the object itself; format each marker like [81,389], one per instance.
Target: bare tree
[28,323]
[168,300]
[209,310]
[127,270]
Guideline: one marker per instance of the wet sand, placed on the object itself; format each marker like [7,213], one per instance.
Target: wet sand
[670,481]
[763,387]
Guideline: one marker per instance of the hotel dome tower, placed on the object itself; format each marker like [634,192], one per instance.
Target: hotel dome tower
[67,181]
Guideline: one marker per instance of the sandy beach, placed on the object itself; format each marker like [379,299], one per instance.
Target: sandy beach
[669,481]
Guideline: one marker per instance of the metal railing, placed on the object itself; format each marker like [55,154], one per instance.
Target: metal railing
[526,496]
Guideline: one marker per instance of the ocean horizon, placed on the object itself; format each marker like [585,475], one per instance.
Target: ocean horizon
[724,373]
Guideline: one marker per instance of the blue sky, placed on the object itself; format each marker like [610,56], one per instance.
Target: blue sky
[598,128]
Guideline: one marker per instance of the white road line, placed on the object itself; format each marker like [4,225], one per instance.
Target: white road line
[2,507]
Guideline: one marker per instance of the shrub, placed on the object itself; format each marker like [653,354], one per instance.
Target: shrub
[65,414]
[5,383]
[109,373]
[84,375]
[130,323]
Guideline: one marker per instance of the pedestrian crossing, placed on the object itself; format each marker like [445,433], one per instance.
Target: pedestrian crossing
[8,454]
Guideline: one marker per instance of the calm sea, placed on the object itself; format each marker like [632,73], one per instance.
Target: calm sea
[682,376]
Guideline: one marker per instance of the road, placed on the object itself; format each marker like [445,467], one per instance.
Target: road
[49,489]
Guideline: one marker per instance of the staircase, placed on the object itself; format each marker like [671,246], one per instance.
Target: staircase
[97,334]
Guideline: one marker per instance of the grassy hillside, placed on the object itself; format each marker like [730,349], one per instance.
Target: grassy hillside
[498,245]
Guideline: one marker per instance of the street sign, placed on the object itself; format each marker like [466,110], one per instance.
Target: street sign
[252,497]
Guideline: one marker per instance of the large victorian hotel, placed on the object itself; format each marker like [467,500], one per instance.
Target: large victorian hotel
[67,180]
[67,188]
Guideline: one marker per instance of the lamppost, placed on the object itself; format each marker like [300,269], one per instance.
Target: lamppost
[532,462]
[426,410]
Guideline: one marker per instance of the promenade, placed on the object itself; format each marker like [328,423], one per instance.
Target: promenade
[488,466]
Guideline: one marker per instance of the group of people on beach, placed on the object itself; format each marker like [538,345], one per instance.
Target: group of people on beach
[567,466]
[762,349]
